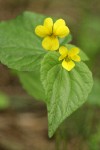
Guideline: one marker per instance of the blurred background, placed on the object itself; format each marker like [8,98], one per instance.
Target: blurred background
[23,121]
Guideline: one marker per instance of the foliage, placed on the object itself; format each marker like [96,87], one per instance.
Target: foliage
[62,91]
[65,91]
[32,84]
[4,101]
[94,141]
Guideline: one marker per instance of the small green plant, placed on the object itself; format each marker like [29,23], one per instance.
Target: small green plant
[94,140]
[4,101]
[50,70]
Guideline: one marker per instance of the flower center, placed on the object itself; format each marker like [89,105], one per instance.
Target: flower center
[52,32]
[67,58]
[52,36]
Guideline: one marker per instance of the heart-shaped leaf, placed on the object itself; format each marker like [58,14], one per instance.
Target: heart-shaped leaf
[65,91]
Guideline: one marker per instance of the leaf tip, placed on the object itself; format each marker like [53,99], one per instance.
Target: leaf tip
[50,134]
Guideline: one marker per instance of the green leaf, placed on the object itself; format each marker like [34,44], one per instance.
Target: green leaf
[32,84]
[83,56]
[20,48]
[65,91]
[66,40]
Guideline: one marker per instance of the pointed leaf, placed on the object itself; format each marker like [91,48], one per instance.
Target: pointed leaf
[65,91]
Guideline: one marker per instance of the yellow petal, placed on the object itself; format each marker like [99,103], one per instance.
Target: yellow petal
[50,43]
[62,31]
[68,65]
[74,51]
[62,57]
[59,22]
[63,50]
[48,23]
[41,31]
[76,58]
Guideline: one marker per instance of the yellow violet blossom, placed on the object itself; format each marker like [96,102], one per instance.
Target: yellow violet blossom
[51,32]
[68,57]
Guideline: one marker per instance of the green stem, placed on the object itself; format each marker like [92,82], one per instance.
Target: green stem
[60,140]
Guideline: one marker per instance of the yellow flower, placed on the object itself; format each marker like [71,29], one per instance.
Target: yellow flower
[68,57]
[51,32]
